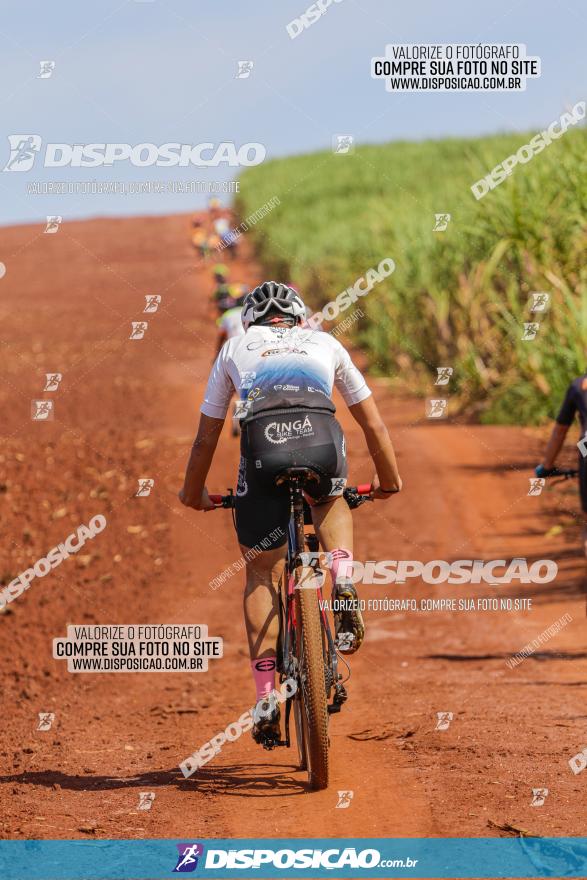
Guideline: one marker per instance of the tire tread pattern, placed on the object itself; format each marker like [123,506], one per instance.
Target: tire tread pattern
[308,609]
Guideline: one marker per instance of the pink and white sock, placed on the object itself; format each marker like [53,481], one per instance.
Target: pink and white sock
[340,564]
[264,674]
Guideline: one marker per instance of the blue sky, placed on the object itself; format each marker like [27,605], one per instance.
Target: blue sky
[164,71]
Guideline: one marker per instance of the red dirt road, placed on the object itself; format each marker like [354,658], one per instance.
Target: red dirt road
[127,409]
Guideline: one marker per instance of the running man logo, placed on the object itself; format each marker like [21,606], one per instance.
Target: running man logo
[342,144]
[139,328]
[443,720]
[578,762]
[146,799]
[241,408]
[539,302]
[187,861]
[539,795]
[244,69]
[52,381]
[530,330]
[46,719]
[344,641]
[152,302]
[145,486]
[344,800]
[310,578]
[436,408]
[441,222]
[53,223]
[47,68]
[242,487]
[42,410]
[536,485]
[443,375]
[247,378]
[23,151]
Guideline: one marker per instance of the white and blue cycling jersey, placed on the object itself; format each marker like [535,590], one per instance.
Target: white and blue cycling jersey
[273,367]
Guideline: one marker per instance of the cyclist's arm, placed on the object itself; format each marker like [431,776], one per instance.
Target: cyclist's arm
[357,396]
[366,414]
[554,445]
[194,492]
[213,412]
[563,422]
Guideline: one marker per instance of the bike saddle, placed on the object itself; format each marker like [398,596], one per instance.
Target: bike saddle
[302,474]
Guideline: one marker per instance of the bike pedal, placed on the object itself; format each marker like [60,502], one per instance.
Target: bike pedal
[270,743]
[340,695]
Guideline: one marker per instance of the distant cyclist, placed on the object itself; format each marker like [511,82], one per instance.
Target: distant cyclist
[221,273]
[239,290]
[200,238]
[230,323]
[226,236]
[214,206]
[284,376]
[575,403]
[223,296]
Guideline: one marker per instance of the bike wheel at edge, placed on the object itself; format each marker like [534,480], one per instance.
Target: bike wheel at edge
[313,702]
[298,711]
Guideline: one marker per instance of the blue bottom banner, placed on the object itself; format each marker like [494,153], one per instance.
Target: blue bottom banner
[293,857]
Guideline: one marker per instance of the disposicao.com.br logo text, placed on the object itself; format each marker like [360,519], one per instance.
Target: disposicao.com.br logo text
[24,149]
[331,859]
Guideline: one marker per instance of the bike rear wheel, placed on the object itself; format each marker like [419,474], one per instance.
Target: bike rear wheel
[312,703]
[300,739]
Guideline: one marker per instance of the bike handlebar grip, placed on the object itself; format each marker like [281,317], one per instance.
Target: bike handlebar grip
[365,489]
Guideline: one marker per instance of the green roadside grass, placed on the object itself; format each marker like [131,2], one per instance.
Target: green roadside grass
[458,298]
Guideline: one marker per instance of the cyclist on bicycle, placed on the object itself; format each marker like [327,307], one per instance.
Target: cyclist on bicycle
[214,206]
[575,403]
[230,323]
[284,375]
[222,297]
[200,238]
[226,236]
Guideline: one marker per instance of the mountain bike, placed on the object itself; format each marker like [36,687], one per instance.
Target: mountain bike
[306,649]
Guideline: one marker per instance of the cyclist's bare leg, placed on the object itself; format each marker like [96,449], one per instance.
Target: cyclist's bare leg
[261,606]
[261,600]
[334,524]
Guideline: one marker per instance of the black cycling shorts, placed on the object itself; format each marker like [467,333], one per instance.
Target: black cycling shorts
[270,443]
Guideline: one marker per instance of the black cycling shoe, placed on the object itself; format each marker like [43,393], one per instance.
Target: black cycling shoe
[266,727]
[349,626]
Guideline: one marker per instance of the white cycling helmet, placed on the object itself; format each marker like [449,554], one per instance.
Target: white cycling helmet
[268,295]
